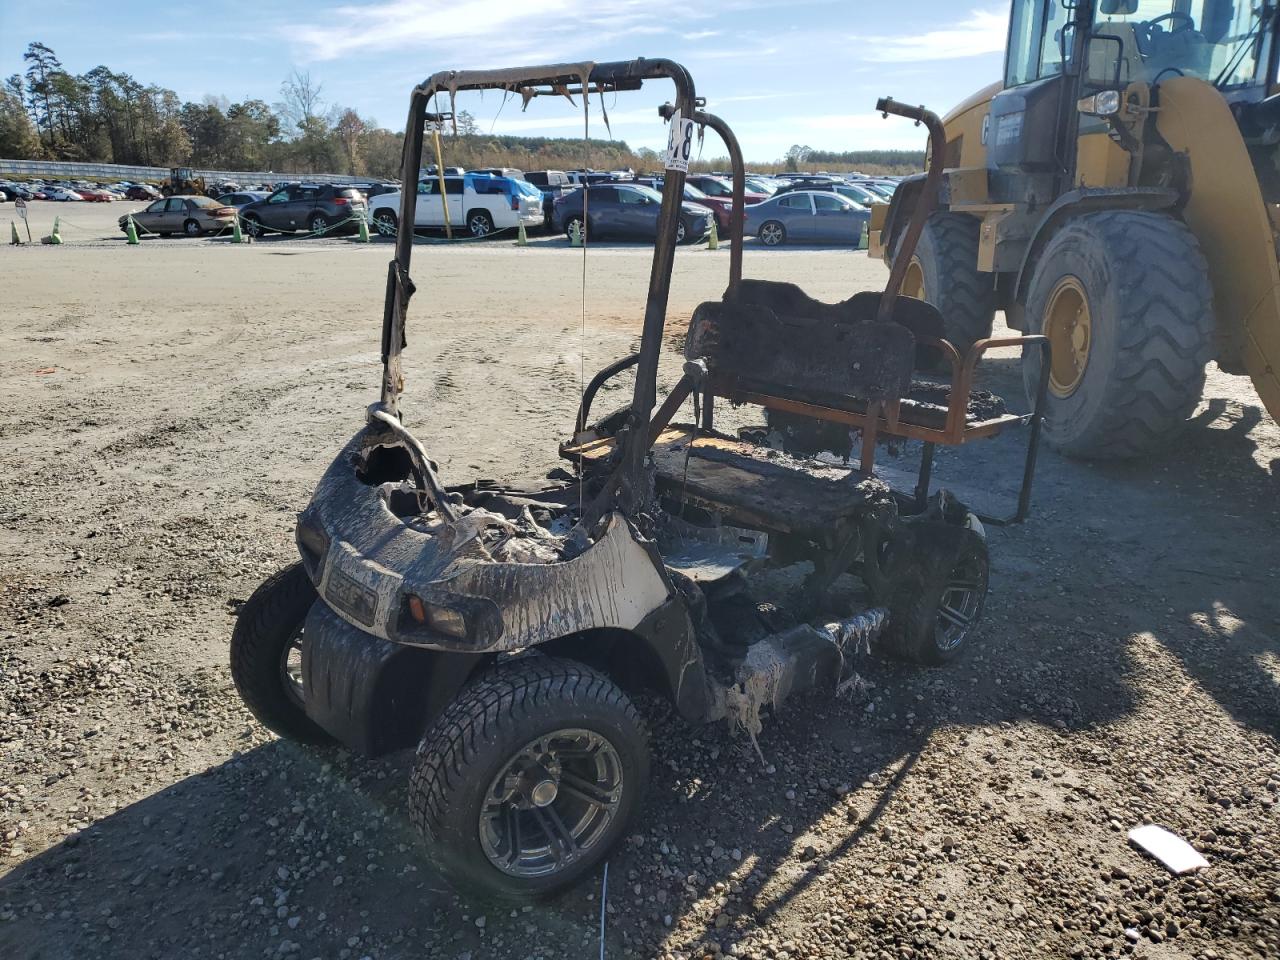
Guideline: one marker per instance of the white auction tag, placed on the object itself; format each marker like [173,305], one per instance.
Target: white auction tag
[679,143]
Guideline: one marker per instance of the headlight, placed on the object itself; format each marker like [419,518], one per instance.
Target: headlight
[1105,103]
[444,620]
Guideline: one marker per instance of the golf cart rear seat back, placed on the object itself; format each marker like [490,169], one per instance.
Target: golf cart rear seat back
[675,557]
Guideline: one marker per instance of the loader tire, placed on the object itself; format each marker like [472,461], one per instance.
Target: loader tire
[944,272]
[1126,386]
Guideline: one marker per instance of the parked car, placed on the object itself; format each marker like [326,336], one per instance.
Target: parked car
[553,184]
[297,207]
[142,191]
[800,216]
[60,193]
[93,195]
[511,172]
[15,191]
[884,188]
[192,215]
[243,198]
[478,205]
[719,187]
[627,211]
[857,192]
[378,189]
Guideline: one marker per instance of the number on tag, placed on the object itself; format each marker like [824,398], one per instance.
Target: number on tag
[679,143]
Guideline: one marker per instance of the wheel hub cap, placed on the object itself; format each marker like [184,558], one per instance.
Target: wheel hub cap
[543,793]
[1069,326]
[551,803]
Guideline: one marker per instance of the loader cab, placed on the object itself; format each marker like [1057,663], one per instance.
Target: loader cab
[1040,139]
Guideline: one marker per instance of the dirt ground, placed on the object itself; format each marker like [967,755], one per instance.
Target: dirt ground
[164,412]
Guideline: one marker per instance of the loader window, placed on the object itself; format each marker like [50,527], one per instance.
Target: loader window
[1025,34]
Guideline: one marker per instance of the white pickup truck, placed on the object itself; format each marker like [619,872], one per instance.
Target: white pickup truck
[478,205]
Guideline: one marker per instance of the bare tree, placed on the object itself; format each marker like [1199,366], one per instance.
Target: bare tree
[302,100]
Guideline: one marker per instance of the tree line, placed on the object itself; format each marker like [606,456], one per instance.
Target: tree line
[103,116]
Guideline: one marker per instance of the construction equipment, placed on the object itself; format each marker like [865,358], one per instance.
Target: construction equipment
[421,612]
[1118,192]
[182,181]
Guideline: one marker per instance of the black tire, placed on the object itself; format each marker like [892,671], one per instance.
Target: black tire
[192,228]
[1150,304]
[479,223]
[268,624]
[772,233]
[252,225]
[919,630]
[947,256]
[568,227]
[683,231]
[497,716]
[317,223]
[386,221]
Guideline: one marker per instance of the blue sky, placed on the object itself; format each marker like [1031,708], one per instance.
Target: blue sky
[808,71]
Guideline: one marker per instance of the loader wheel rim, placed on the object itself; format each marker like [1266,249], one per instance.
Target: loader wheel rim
[1069,326]
[913,282]
[551,803]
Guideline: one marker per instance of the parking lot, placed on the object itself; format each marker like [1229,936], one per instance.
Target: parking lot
[166,409]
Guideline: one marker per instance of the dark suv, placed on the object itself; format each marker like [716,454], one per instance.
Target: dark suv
[309,207]
[628,211]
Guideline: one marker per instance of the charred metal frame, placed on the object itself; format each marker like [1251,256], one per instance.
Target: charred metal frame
[876,418]
[570,79]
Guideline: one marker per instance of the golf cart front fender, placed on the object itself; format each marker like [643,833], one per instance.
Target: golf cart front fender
[366,563]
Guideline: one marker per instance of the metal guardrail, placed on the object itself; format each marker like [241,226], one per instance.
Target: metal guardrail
[119,171]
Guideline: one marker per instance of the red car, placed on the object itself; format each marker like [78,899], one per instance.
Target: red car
[95,196]
[720,206]
[720,187]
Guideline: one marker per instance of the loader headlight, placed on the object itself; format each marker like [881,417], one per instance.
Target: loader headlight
[1105,103]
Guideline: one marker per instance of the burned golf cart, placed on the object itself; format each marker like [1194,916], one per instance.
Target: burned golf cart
[497,629]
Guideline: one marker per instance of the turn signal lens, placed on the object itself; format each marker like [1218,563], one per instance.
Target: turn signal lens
[444,620]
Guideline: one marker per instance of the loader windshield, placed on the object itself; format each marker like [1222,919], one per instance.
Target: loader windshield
[1223,42]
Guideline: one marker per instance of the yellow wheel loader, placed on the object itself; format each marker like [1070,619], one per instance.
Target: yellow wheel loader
[182,181]
[1117,192]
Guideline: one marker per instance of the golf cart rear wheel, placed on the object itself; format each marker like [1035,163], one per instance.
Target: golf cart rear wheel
[529,779]
[938,602]
[266,655]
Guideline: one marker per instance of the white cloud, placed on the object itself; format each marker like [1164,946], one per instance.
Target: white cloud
[482,32]
[981,32]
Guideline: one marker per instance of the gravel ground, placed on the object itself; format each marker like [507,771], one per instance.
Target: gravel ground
[164,412]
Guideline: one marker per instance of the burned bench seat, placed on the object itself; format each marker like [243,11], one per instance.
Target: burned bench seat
[751,485]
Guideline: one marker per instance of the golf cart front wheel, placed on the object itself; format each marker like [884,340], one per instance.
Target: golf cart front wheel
[266,655]
[529,779]
[935,608]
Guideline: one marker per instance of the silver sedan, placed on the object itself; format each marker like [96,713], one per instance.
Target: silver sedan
[806,216]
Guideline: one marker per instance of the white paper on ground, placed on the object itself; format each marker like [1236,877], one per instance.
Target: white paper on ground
[1171,850]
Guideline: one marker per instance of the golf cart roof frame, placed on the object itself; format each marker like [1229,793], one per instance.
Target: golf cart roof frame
[567,80]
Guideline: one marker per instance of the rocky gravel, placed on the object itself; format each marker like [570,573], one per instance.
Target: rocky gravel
[1128,671]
